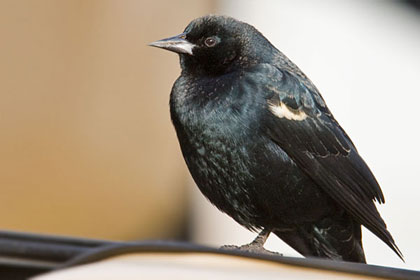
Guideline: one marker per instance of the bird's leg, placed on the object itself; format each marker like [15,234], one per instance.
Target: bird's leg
[259,241]
[256,246]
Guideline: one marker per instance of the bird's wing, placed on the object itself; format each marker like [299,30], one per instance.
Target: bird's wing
[298,121]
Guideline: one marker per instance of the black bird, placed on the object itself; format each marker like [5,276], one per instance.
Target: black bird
[264,148]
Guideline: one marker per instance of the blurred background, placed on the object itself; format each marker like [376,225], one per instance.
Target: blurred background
[87,147]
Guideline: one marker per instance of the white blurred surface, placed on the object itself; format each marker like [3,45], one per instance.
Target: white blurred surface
[364,57]
[192,266]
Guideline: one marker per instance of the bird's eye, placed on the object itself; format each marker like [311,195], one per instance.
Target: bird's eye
[210,42]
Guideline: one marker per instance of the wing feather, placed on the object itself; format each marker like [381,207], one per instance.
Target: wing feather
[321,148]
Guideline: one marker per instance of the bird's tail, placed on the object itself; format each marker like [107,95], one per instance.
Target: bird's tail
[338,239]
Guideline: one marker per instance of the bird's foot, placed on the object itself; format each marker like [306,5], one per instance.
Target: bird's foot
[256,246]
[251,247]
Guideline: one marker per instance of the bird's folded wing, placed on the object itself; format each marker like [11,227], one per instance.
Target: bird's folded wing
[298,120]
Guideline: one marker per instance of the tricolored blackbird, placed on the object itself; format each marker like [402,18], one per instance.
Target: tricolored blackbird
[264,148]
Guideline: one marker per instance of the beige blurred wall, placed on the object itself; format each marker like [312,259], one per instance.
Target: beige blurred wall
[86,143]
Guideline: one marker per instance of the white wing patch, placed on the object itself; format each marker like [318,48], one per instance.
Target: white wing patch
[281,110]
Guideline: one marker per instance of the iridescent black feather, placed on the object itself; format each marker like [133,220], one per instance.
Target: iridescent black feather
[264,148]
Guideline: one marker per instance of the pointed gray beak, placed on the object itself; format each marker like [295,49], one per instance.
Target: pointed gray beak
[177,44]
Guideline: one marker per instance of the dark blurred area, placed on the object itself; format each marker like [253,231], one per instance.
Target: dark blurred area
[414,3]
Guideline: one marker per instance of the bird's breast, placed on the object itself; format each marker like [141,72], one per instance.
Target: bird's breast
[214,133]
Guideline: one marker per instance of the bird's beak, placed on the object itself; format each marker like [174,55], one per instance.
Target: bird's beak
[177,44]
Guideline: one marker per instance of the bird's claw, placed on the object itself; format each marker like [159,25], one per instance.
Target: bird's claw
[252,248]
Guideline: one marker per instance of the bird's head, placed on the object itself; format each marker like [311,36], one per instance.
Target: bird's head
[213,45]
